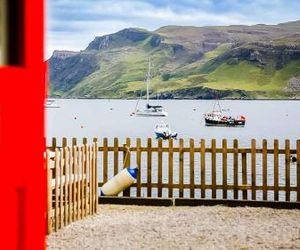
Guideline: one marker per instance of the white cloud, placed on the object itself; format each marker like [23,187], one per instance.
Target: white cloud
[73,24]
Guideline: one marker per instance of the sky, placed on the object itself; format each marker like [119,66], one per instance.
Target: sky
[73,24]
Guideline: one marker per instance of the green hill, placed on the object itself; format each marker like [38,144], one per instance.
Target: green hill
[259,61]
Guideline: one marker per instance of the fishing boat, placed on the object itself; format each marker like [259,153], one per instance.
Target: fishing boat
[217,118]
[149,110]
[163,130]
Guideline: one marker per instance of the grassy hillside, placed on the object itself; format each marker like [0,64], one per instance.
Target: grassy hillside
[188,62]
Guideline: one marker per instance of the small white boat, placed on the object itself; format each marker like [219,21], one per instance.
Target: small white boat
[150,110]
[163,130]
[50,103]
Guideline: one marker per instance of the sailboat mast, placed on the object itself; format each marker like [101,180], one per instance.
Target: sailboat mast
[148,80]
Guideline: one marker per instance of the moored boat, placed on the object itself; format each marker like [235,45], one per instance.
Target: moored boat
[149,110]
[217,118]
[163,130]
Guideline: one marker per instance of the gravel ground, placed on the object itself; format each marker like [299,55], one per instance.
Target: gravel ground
[217,227]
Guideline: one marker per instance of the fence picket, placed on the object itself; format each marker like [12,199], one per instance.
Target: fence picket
[213,168]
[298,170]
[192,166]
[105,159]
[287,170]
[244,176]
[139,166]
[202,148]
[253,169]
[116,156]
[126,163]
[149,167]
[265,168]
[49,191]
[170,169]
[181,167]
[235,168]
[57,190]
[159,169]
[61,204]
[96,174]
[66,189]
[224,167]
[276,173]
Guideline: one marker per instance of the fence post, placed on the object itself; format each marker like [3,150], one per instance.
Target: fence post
[105,159]
[64,142]
[149,167]
[265,168]
[192,171]
[49,190]
[95,175]
[82,160]
[253,168]
[170,172]
[202,149]
[159,168]
[116,156]
[287,169]
[213,168]
[139,166]
[57,193]
[61,196]
[54,144]
[75,180]
[235,169]
[224,166]
[276,173]
[66,185]
[126,163]
[244,176]
[181,167]
[298,170]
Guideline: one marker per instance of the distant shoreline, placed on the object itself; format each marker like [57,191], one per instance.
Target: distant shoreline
[128,99]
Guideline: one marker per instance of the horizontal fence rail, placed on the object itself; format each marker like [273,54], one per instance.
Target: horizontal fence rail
[72,184]
[201,169]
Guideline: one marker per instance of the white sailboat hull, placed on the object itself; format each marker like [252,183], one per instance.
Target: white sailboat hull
[150,113]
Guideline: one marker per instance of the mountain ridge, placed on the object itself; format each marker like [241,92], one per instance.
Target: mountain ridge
[237,61]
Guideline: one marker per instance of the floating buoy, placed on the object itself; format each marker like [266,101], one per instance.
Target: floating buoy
[120,182]
[75,118]
[293,158]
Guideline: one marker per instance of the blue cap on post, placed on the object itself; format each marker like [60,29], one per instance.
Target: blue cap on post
[133,171]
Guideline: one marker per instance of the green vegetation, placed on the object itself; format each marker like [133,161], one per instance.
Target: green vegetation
[255,64]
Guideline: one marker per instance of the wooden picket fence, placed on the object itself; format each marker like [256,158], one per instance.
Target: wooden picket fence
[191,170]
[72,184]
[257,173]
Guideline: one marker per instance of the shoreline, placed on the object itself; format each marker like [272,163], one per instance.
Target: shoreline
[183,99]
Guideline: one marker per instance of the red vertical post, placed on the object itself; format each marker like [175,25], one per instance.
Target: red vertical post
[22,140]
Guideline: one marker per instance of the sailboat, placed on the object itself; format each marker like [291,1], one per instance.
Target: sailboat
[149,110]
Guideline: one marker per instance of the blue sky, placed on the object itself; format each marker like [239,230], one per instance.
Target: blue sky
[72,24]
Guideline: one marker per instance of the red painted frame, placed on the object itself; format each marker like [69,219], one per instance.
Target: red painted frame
[22,140]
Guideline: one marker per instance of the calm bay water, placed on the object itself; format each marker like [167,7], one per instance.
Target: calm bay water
[111,118]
